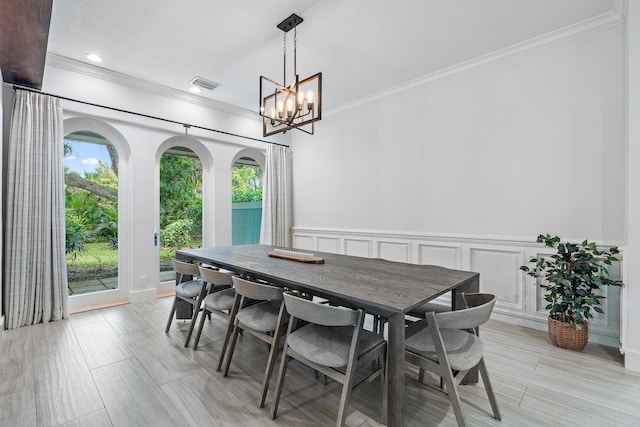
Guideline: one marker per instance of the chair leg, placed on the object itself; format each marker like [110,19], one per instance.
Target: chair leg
[345,397]
[452,391]
[385,389]
[268,371]
[194,319]
[173,311]
[489,388]
[232,316]
[234,341]
[281,373]
[196,340]
[196,310]
[275,341]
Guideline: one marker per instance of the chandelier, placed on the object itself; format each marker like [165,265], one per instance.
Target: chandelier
[294,105]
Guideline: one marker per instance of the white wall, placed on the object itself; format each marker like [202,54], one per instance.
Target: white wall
[531,144]
[466,168]
[631,295]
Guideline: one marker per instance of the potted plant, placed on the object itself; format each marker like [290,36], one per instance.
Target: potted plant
[572,277]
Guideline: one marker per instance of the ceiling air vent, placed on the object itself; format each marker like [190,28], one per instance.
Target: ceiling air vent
[204,83]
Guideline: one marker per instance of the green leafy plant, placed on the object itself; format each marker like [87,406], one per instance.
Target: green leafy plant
[106,229]
[572,277]
[177,234]
[75,234]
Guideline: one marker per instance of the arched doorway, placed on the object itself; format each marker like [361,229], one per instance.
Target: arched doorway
[96,186]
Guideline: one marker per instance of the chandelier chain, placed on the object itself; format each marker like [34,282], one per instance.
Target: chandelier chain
[284,55]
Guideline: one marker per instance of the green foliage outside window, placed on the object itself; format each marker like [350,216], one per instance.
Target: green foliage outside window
[177,234]
[246,181]
[180,191]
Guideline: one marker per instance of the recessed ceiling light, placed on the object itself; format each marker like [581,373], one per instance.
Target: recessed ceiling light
[195,89]
[93,57]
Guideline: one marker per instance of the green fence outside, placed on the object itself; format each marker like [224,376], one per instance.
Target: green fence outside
[246,219]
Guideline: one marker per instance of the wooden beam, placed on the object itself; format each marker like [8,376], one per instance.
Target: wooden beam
[24,33]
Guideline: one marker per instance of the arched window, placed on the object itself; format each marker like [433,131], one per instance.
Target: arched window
[246,180]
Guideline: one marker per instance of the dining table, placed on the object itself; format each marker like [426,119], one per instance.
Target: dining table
[381,287]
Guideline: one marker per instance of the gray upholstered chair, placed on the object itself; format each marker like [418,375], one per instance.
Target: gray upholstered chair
[219,299]
[333,343]
[191,291]
[265,320]
[447,343]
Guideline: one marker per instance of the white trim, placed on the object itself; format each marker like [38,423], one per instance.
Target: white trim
[142,295]
[597,23]
[79,67]
[167,287]
[442,237]
[632,360]
[541,325]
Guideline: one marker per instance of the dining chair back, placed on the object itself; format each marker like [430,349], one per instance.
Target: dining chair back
[334,343]
[258,309]
[447,343]
[219,299]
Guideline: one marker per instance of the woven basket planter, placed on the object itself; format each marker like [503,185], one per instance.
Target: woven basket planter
[566,335]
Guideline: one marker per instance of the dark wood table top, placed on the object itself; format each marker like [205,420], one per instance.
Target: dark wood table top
[379,286]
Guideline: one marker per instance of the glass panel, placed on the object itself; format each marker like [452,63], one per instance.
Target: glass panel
[91,207]
[246,180]
[180,206]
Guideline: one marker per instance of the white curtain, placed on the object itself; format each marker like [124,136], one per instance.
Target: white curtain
[35,276]
[276,197]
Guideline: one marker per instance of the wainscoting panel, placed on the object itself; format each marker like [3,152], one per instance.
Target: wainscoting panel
[329,244]
[438,254]
[500,274]
[394,250]
[357,247]
[303,241]
[498,260]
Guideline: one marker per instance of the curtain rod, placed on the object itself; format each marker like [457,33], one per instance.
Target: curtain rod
[185,125]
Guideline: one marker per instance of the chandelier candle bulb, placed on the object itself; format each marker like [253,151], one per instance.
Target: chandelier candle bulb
[280,106]
[290,108]
[300,100]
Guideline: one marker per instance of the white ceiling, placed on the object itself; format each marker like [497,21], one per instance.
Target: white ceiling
[360,46]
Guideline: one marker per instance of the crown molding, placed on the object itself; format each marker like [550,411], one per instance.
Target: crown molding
[76,66]
[597,23]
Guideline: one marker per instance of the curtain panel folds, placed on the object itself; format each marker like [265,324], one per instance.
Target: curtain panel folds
[276,197]
[35,273]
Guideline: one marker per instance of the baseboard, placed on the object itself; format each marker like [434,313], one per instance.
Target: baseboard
[166,287]
[1,323]
[632,360]
[143,295]
[541,325]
